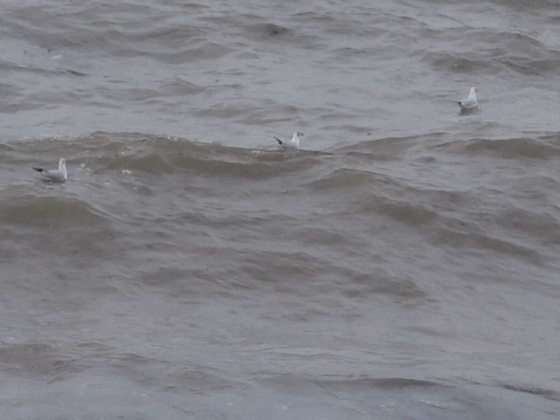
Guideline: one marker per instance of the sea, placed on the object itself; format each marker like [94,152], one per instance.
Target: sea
[403,264]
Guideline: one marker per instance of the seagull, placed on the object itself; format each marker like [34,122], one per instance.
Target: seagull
[469,104]
[293,144]
[56,175]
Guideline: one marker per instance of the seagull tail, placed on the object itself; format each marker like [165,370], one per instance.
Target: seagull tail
[38,169]
[279,141]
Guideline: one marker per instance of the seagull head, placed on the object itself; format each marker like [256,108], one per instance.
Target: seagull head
[295,137]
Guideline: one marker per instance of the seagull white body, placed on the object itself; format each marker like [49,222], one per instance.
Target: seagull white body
[57,175]
[293,144]
[470,103]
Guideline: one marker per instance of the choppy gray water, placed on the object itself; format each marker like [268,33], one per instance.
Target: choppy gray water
[404,265]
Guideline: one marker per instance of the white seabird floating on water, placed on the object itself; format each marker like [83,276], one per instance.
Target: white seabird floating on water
[56,175]
[293,144]
[469,104]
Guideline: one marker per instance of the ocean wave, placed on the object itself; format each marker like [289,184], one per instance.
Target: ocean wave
[543,148]
[50,212]
[488,51]
[169,155]
[39,361]
[49,222]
